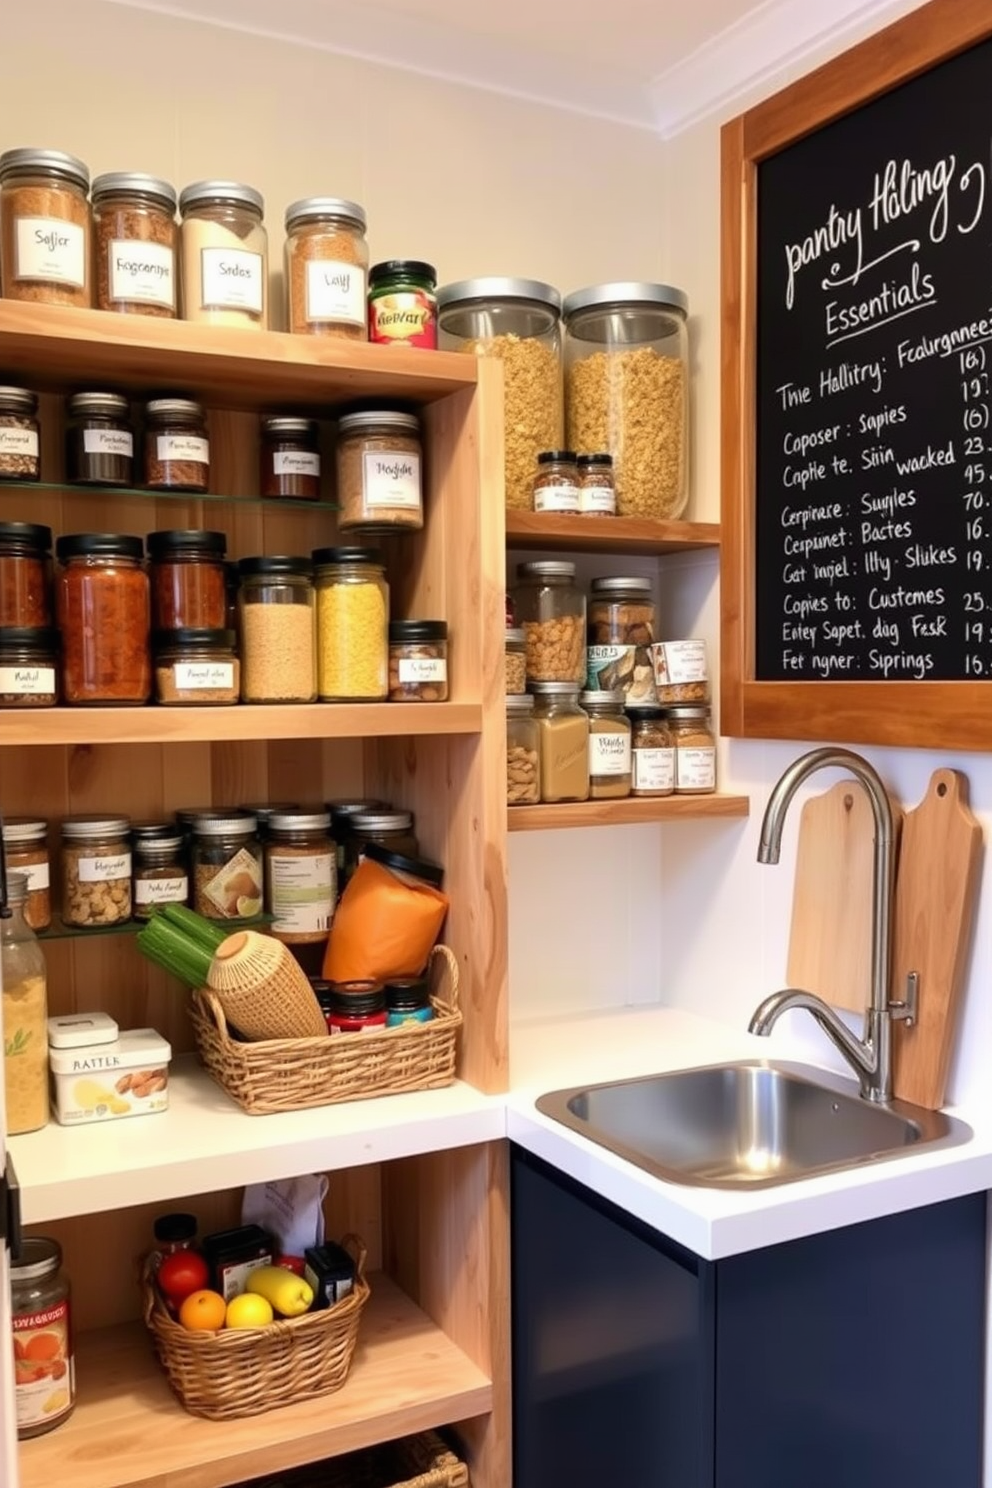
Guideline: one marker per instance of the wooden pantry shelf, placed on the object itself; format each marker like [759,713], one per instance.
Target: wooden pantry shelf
[129,1431]
[48,346]
[632,535]
[630,810]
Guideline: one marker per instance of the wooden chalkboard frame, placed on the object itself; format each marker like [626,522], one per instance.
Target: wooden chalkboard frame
[945,715]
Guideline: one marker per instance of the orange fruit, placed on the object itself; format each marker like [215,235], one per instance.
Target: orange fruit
[203,1311]
[42,1347]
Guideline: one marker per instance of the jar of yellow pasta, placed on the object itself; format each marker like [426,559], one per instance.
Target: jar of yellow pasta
[352,625]
[25,1015]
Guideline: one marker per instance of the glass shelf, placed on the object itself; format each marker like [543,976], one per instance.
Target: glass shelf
[59,930]
[270,503]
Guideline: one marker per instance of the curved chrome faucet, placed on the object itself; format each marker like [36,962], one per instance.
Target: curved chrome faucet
[871,1055]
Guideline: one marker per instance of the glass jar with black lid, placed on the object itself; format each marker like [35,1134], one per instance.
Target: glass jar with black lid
[188,581]
[20,444]
[391,829]
[403,303]
[28,667]
[25,575]
[99,442]
[290,459]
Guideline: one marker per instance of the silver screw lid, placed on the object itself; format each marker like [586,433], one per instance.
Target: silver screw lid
[233,192]
[313,208]
[134,183]
[29,161]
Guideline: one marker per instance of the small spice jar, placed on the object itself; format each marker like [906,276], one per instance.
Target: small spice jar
[392,829]
[225,255]
[177,449]
[418,661]
[563,728]
[352,625]
[552,612]
[408,1000]
[356,1007]
[196,666]
[378,461]
[556,484]
[40,1310]
[186,569]
[45,248]
[652,751]
[300,876]
[621,629]
[277,626]
[20,443]
[327,259]
[134,216]
[341,815]
[227,867]
[25,564]
[263,811]
[290,459]
[609,745]
[25,845]
[96,870]
[403,303]
[160,875]
[523,752]
[28,668]
[516,665]
[103,612]
[695,749]
[99,443]
[597,490]
[680,671]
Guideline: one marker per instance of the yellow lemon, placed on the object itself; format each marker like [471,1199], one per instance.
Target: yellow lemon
[248,907]
[248,1311]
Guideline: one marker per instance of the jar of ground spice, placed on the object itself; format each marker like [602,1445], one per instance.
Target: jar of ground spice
[695,749]
[186,568]
[25,845]
[177,449]
[225,255]
[327,261]
[196,667]
[103,611]
[300,876]
[352,625]
[28,668]
[556,484]
[134,216]
[290,459]
[20,444]
[563,730]
[25,575]
[45,246]
[379,471]
[227,867]
[609,745]
[99,443]
[652,752]
[159,873]
[278,630]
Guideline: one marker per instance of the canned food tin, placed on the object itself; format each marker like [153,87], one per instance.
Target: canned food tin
[44,1375]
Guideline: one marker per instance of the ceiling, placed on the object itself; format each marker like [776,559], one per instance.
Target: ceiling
[654,64]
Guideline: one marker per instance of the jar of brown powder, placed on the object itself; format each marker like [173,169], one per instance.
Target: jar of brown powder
[45,249]
[327,260]
[177,449]
[136,238]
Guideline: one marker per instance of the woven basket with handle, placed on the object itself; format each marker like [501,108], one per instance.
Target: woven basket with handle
[422,1461]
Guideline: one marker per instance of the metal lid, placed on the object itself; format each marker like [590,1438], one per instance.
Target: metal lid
[495,287]
[299,821]
[312,208]
[357,999]
[181,408]
[406,993]
[620,585]
[519,702]
[280,424]
[187,815]
[99,544]
[342,811]
[269,808]
[407,268]
[642,711]
[185,540]
[590,461]
[221,826]
[134,183]
[26,534]
[555,689]
[325,557]
[18,400]
[29,161]
[431,873]
[623,293]
[147,847]
[546,568]
[385,418]
[188,637]
[141,831]
[113,403]
[17,886]
[381,821]
[593,698]
[276,564]
[37,1257]
[29,638]
[688,710]
[24,829]
[401,631]
[221,191]
[513,635]
[92,825]
[548,457]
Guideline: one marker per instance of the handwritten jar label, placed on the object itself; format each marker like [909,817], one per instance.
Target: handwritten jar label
[19,442]
[142,272]
[231,279]
[391,479]
[108,442]
[104,869]
[27,681]
[48,248]
[295,462]
[335,292]
[183,447]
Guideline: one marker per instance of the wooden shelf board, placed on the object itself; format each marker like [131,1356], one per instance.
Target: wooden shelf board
[239,722]
[628,811]
[129,1431]
[539,530]
[48,346]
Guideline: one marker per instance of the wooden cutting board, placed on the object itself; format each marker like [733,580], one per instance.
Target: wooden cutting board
[936,888]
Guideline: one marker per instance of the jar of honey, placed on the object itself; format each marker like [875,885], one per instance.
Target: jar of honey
[103,611]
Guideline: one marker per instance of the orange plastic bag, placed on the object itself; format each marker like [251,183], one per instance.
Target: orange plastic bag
[384,926]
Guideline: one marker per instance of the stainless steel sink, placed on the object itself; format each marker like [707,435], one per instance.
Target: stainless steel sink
[751,1124]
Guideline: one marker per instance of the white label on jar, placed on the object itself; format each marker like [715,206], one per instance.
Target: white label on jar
[37,874]
[303,891]
[563,498]
[104,869]
[423,669]
[597,500]
[27,681]
[609,753]
[108,442]
[679,661]
[161,890]
[183,447]
[695,768]
[231,279]
[48,248]
[654,770]
[335,291]
[203,676]
[391,478]
[295,462]
[142,272]
[19,442]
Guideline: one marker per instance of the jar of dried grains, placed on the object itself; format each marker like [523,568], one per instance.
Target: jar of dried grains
[516,320]
[225,255]
[103,611]
[621,629]
[20,443]
[564,749]
[278,631]
[551,610]
[46,252]
[609,745]
[300,875]
[327,260]
[352,625]
[99,443]
[96,870]
[160,875]
[379,471]
[25,844]
[136,238]
[227,867]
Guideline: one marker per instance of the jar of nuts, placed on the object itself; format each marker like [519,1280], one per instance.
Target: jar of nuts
[96,870]
[552,613]
[523,752]
[418,661]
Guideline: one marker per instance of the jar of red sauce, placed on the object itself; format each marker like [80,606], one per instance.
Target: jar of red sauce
[188,581]
[103,610]
[355,1007]
[25,561]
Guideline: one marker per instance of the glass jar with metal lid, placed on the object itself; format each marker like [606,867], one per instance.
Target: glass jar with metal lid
[609,745]
[290,458]
[627,390]
[160,873]
[25,575]
[277,611]
[518,321]
[597,490]
[392,829]
[695,749]
[136,239]
[403,303]
[523,752]
[25,844]
[418,661]
[177,447]
[20,436]
[379,471]
[186,568]
[563,728]
[327,260]
[227,866]
[342,812]
[46,252]
[99,442]
[556,483]
[96,870]
[352,625]
[652,752]
[551,611]
[29,667]
[196,667]
[40,1309]
[103,611]
[300,875]
[621,630]
[516,660]
[225,255]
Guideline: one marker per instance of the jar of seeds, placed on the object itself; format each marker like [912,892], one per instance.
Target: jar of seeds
[159,873]
[20,443]
[277,611]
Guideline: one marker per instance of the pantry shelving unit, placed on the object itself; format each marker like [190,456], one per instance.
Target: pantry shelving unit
[422,1177]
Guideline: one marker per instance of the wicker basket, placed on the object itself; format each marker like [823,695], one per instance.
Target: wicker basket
[423,1461]
[290,1074]
[245,1371]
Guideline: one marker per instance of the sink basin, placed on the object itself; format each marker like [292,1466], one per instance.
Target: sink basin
[751,1124]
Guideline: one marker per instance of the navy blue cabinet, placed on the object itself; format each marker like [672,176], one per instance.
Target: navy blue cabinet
[852,1359]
